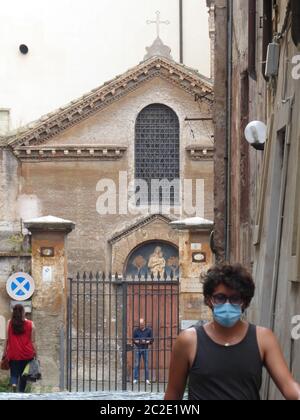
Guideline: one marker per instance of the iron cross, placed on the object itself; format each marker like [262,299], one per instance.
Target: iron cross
[158,22]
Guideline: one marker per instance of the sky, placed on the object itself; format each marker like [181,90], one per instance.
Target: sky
[75,46]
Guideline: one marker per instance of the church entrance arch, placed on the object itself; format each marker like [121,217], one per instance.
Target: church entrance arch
[152,273]
[104,310]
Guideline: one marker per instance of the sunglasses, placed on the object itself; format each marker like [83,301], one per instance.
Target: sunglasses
[221,299]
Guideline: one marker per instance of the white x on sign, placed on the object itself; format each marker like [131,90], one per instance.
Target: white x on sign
[20,286]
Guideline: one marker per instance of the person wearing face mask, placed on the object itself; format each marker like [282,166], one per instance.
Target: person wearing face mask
[224,359]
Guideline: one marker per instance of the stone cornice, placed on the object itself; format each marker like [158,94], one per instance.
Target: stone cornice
[69,153]
[54,123]
[200,153]
[146,221]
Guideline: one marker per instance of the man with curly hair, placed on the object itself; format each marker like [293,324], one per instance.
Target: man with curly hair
[224,359]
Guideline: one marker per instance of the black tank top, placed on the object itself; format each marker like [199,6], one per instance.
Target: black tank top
[222,373]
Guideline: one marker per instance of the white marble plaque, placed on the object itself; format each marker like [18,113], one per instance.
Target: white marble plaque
[196,247]
[47,274]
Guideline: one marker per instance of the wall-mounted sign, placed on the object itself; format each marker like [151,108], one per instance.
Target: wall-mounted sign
[196,247]
[2,328]
[47,252]
[20,286]
[47,274]
[199,257]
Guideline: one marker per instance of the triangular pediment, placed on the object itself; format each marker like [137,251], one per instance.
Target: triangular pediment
[140,224]
[52,124]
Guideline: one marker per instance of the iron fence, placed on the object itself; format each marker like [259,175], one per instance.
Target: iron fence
[104,312]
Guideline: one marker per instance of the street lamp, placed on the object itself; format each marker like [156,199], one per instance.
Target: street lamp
[256,134]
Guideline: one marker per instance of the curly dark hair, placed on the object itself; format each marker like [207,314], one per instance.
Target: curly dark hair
[235,277]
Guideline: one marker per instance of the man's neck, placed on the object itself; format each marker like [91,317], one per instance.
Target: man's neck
[228,332]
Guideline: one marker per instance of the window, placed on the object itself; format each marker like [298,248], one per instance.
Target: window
[157,149]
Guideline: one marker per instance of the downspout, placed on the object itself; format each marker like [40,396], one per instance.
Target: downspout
[228,158]
[181,31]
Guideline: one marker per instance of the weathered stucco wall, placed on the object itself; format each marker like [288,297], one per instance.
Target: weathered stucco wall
[264,196]
[68,189]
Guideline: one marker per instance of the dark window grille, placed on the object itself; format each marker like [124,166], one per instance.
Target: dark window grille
[157,148]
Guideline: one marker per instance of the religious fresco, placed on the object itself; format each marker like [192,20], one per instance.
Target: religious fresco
[155,258]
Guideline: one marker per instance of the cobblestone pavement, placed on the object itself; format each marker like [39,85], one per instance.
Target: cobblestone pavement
[96,396]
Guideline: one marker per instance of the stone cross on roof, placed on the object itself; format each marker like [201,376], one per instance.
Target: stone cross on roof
[158,48]
[158,22]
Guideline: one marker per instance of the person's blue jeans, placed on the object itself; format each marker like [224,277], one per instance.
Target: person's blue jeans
[16,370]
[139,354]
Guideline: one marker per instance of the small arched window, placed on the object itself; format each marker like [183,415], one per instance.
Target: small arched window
[157,149]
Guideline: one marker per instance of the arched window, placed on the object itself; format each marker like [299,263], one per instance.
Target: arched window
[157,150]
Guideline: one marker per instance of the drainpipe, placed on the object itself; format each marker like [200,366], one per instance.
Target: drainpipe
[181,31]
[228,132]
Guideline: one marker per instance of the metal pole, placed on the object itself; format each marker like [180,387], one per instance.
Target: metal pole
[229,132]
[181,30]
[124,335]
[62,359]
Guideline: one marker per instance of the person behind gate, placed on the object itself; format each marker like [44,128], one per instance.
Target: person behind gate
[19,347]
[142,339]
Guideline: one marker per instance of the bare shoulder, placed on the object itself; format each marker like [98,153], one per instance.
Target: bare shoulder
[31,322]
[266,336]
[188,336]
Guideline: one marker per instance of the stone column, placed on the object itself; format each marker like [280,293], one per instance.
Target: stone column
[49,271]
[195,259]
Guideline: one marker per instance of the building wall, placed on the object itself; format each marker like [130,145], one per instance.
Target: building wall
[68,189]
[220,115]
[277,251]
[264,197]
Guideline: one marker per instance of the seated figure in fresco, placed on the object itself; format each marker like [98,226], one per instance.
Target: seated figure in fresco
[157,263]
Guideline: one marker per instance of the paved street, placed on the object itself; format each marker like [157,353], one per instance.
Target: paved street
[96,396]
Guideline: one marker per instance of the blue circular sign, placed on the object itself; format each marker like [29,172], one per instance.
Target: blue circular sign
[20,286]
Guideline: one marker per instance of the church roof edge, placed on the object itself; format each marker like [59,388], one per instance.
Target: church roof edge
[94,101]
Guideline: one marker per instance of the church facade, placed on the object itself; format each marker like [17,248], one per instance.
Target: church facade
[84,162]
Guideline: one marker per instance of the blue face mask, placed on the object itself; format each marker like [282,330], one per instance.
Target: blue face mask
[227,315]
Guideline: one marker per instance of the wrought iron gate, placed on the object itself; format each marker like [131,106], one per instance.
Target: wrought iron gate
[103,313]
